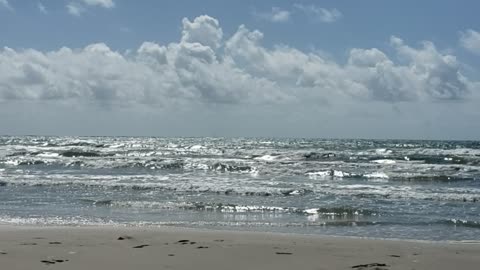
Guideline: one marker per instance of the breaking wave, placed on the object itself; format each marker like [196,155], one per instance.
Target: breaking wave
[233,208]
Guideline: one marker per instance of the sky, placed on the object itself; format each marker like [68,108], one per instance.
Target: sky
[323,69]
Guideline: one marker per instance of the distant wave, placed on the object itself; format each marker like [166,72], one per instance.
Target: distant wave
[347,191]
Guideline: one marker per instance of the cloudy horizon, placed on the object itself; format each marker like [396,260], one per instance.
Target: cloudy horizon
[236,80]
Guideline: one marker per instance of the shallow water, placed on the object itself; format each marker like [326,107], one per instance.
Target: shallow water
[375,188]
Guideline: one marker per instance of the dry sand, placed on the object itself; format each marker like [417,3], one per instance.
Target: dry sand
[176,248]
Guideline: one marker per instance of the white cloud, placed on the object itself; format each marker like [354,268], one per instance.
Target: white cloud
[320,14]
[5,4]
[204,30]
[42,8]
[75,9]
[204,68]
[101,3]
[275,15]
[470,40]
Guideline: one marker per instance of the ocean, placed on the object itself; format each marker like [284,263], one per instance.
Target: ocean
[401,189]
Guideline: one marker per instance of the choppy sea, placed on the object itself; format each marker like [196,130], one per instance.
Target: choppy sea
[408,189]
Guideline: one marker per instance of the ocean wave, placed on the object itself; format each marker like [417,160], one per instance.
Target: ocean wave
[383,151]
[18,153]
[155,185]
[445,174]
[266,158]
[93,161]
[236,208]
[55,221]
[221,167]
[462,223]
[384,161]
[89,221]
[443,159]
[74,153]
[376,175]
[43,162]
[341,174]
[105,202]
[370,192]
[74,142]
[319,156]
[432,178]
[94,221]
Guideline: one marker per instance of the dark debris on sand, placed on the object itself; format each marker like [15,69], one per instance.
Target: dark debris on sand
[371,266]
[48,262]
[283,253]
[125,237]
[141,246]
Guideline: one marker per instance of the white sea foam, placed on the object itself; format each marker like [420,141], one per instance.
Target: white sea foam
[383,151]
[55,220]
[12,162]
[384,161]
[48,155]
[320,174]
[340,174]
[312,211]
[117,145]
[380,175]
[329,173]
[266,158]
[197,147]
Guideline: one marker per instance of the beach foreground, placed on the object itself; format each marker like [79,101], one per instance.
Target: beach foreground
[178,248]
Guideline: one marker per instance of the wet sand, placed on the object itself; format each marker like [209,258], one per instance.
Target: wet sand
[118,248]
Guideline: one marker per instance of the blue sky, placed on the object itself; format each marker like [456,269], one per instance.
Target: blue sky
[361,25]
[314,65]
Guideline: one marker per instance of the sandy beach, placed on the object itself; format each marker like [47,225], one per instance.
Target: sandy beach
[119,248]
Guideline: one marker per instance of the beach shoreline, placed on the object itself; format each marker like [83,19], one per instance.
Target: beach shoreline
[124,247]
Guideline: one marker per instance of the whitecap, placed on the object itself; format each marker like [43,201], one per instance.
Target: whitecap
[340,174]
[312,211]
[13,162]
[197,147]
[48,154]
[117,145]
[384,161]
[266,158]
[380,175]
[319,174]
[383,151]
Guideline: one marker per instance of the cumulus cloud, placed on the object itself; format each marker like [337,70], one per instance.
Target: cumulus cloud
[470,40]
[276,15]
[5,4]
[320,14]
[204,30]
[204,67]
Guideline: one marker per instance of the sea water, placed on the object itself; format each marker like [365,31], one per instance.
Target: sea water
[406,189]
